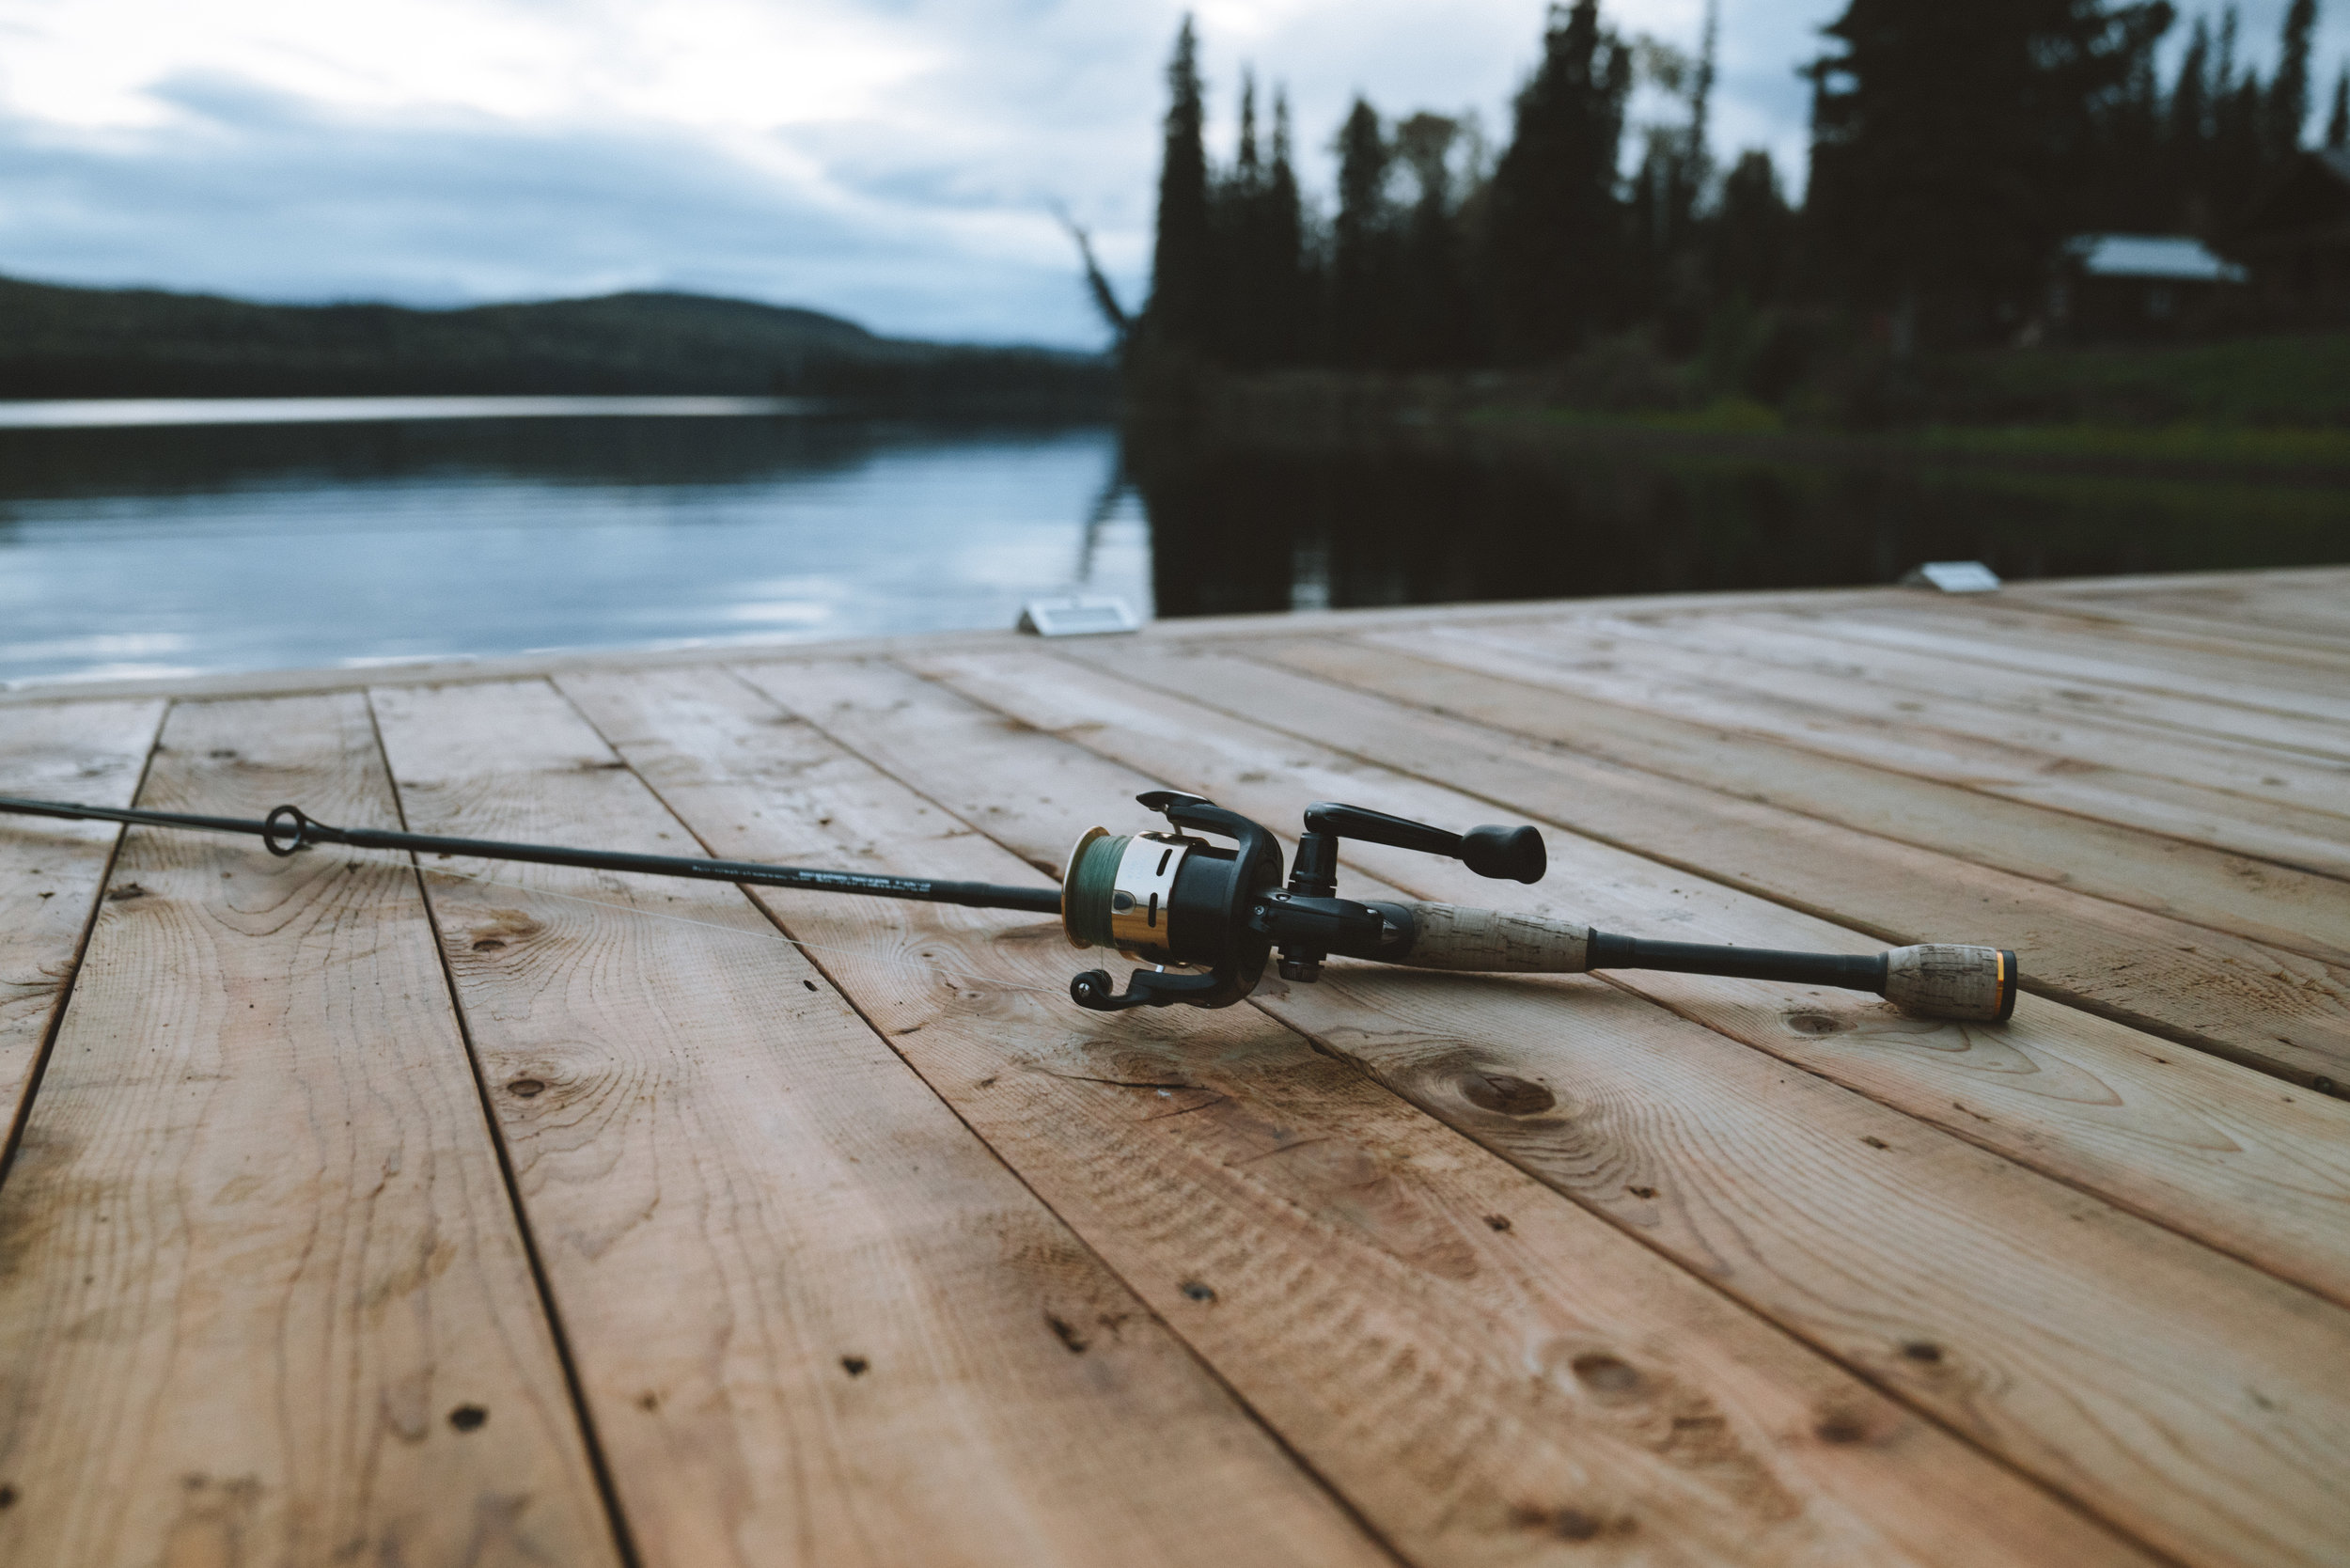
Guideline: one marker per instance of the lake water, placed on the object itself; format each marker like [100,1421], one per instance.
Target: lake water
[171,547]
[177,538]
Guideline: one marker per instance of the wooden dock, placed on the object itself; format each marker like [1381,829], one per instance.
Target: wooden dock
[361,1212]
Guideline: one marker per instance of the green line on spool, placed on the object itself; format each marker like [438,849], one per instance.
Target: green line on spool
[1087,911]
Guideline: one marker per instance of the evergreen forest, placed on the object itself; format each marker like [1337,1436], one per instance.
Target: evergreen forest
[1954,150]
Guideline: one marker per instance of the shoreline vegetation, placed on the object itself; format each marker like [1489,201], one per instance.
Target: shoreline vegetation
[2251,410]
[62,342]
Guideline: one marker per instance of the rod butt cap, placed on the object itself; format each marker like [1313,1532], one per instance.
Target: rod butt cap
[1941,979]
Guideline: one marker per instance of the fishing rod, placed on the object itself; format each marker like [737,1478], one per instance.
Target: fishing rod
[1208,919]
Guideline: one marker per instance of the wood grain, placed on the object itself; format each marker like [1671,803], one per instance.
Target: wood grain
[2013,1308]
[816,1320]
[262,1296]
[1488,1373]
[2239,1161]
[2131,661]
[2305,620]
[2261,1006]
[2230,718]
[51,871]
[1725,693]
[2242,610]
[2275,905]
[2221,746]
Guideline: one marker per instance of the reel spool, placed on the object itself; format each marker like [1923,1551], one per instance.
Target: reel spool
[1173,901]
[1208,919]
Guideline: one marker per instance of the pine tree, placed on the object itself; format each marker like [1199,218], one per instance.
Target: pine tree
[1261,316]
[1181,263]
[1558,238]
[1287,282]
[2288,103]
[2338,123]
[2235,160]
[2131,187]
[1753,233]
[1430,301]
[1950,146]
[1236,335]
[1361,242]
[2187,137]
[1676,169]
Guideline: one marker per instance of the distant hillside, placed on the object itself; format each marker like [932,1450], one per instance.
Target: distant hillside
[65,342]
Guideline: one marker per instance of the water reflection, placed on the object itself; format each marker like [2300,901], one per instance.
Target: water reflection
[181,547]
[1241,532]
[156,551]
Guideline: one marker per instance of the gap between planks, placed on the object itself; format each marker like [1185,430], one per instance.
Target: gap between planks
[52,871]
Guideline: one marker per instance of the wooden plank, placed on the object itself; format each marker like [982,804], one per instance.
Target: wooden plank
[1490,1373]
[2236,629]
[1663,679]
[2263,1006]
[2222,746]
[1278,624]
[51,871]
[1997,1301]
[2275,905]
[468,668]
[262,1294]
[2157,582]
[2295,617]
[2249,603]
[2101,656]
[451,669]
[2239,1161]
[815,1319]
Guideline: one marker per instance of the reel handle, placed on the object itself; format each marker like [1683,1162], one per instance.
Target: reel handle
[1512,854]
[1934,980]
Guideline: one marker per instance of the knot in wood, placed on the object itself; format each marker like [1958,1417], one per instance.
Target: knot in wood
[1504,1095]
[1604,1374]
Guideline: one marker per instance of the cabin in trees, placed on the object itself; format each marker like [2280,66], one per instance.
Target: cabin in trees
[2296,240]
[2123,287]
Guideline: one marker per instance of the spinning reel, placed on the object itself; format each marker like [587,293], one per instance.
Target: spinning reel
[1208,919]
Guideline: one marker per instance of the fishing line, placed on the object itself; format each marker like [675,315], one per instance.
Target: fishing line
[769,930]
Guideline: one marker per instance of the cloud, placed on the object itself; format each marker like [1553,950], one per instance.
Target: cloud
[895,161]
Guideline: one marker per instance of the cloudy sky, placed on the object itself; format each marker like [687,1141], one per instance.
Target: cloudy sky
[895,161]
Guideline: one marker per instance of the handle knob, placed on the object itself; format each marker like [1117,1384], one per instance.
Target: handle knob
[1504,854]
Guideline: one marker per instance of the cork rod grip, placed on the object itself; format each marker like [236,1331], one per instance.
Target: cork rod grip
[1452,936]
[1935,980]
